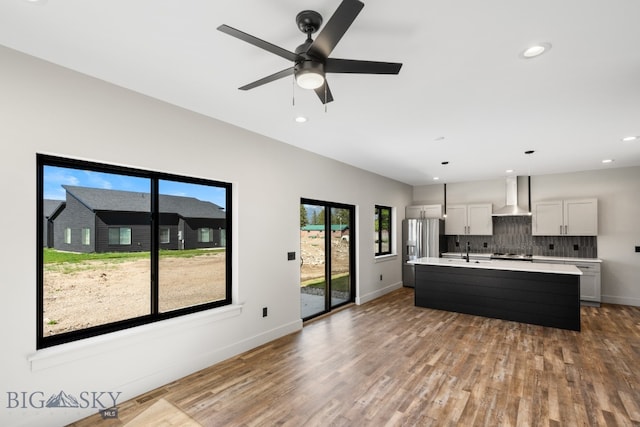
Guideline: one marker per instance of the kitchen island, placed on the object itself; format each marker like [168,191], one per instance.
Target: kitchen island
[536,293]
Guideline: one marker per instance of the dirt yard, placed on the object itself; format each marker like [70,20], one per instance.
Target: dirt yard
[99,292]
[312,254]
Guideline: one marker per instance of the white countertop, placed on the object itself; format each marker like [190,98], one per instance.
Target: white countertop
[564,258]
[496,264]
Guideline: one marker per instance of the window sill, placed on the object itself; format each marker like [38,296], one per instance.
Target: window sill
[383,258]
[73,351]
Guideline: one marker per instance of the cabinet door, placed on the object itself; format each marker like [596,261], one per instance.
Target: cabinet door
[432,211]
[413,212]
[581,217]
[456,221]
[590,281]
[547,218]
[480,222]
[589,287]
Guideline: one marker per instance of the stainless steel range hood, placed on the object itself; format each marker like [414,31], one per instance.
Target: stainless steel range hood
[511,207]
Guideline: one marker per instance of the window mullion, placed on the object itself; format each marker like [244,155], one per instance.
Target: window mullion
[154,252]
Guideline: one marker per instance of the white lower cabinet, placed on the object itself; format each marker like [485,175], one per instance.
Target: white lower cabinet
[590,285]
[590,280]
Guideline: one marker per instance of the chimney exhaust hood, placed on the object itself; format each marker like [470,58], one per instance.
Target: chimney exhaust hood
[511,207]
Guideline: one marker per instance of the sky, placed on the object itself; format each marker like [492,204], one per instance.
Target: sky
[55,177]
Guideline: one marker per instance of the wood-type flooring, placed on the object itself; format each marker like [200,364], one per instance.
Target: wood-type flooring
[389,363]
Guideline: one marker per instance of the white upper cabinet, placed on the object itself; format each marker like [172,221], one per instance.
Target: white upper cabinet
[573,217]
[456,220]
[423,211]
[469,220]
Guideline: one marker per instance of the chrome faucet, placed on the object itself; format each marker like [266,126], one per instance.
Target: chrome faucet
[468,249]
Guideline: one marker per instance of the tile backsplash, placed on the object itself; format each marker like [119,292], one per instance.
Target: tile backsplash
[512,234]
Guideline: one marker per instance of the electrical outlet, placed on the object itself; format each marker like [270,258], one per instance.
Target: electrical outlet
[264,311]
[457,244]
[381,277]
[575,247]
[291,256]
[637,248]
[550,246]
[485,245]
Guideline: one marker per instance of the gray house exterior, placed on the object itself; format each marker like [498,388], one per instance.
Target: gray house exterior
[99,220]
[50,209]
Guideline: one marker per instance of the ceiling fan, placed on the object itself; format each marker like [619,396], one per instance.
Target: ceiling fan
[311,59]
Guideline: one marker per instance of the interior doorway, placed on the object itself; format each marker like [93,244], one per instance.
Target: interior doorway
[326,256]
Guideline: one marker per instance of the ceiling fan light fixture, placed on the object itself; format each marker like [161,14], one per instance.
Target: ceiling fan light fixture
[309,75]
[309,80]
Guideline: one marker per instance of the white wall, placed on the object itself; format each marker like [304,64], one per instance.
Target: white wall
[618,194]
[48,109]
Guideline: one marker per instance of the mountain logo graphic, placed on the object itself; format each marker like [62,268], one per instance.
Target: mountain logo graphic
[62,400]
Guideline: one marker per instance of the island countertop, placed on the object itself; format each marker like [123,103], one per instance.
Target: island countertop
[496,264]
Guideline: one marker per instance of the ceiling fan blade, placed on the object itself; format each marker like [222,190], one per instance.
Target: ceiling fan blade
[335,65]
[325,97]
[277,50]
[268,79]
[335,28]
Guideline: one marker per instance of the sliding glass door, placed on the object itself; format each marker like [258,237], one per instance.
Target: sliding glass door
[326,256]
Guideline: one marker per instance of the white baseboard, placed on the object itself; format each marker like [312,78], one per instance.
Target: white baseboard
[377,294]
[611,299]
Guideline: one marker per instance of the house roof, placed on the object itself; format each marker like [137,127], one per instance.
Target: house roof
[320,227]
[49,206]
[98,199]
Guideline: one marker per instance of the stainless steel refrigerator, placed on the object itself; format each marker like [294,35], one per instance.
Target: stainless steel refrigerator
[420,238]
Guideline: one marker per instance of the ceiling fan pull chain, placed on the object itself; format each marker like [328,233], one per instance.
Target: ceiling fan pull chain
[325,97]
[293,91]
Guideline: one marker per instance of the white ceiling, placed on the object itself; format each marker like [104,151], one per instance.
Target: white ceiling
[462,78]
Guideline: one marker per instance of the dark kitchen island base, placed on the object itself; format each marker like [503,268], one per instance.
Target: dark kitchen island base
[546,299]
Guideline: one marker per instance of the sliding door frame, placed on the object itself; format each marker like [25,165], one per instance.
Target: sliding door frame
[327,252]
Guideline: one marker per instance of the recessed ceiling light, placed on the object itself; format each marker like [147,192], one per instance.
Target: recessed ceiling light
[440,138]
[509,171]
[36,1]
[435,178]
[535,50]
[607,161]
[301,119]
[630,138]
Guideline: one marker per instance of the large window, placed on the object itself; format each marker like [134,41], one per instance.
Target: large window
[382,224]
[119,235]
[111,263]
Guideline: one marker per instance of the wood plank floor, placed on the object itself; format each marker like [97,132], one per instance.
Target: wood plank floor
[389,363]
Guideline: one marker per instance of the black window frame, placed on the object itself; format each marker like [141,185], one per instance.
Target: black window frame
[155,315]
[378,212]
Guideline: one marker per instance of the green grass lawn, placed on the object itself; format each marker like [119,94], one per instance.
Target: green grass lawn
[340,282]
[52,256]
